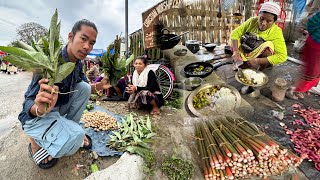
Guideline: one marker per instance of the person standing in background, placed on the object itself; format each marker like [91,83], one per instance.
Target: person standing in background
[311,59]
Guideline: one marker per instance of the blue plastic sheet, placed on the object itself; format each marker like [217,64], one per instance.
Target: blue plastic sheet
[101,138]
[97,52]
[298,7]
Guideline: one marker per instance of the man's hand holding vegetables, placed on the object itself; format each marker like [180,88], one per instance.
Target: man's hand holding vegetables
[46,95]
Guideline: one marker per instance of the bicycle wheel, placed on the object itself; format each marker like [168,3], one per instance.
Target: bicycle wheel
[165,80]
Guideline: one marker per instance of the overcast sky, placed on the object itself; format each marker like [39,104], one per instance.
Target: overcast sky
[108,15]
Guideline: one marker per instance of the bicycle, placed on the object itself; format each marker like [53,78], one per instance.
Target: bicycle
[165,77]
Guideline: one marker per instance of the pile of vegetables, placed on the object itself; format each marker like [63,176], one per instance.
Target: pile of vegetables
[89,106]
[133,131]
[307,139]
[175,102]
[201,98]
[234,148]
[310,115]
[307,144]
[215,99]
[134,135]
[177,169]
[198,69]
[100,121]
[201,70]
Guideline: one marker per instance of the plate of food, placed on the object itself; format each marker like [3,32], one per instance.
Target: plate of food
[212,99]
[251,77]
[198,69]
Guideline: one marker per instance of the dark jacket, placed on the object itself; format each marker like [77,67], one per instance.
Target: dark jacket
[152,86]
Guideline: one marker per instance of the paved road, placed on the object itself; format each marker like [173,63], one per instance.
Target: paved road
[12,89]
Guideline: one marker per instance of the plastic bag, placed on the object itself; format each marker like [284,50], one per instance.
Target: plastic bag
[299,44]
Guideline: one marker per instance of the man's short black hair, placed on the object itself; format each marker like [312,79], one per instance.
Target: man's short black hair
[77,26]
[275,16]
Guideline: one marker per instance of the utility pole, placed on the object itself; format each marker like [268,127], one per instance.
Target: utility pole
[126,27]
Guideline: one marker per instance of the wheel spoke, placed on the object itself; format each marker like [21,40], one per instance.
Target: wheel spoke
[165,84]
[164,88]
[165,81]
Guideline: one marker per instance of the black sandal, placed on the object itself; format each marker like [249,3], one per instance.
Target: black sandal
[89,146]
[41,155]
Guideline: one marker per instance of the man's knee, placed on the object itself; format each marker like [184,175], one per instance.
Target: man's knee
[72,139]
[267,52]
[85,88]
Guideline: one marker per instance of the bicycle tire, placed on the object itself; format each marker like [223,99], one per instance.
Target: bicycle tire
[165,81]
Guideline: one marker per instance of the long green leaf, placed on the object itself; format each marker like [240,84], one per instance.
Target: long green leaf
[26,63]
[149,124]
[40,57]
[37,57]
[143,144]
[151,135]
[135,138]
[63,71]
[17,51]
[130,59]
[18,62]
[58,44]
[45,48]
[117,134]
[37,47]
[52,33]
[25,46]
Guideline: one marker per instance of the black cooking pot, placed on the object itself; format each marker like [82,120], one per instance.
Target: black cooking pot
[193,46]
[168,41]
[228,50]
[198,69]
[210,46]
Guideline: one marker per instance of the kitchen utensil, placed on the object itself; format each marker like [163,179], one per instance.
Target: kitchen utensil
[221,63]
[167,40]
[239,74]
[198,69]
[201,112]
[210,46]
[165,43]
[193,46]
[192,83]
[173,38]
[181,52]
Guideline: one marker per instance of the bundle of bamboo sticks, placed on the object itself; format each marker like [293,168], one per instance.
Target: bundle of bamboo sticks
[235,148]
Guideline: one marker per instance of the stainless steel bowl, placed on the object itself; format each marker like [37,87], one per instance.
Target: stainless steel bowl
[239,74]
[203,113]
[192,83]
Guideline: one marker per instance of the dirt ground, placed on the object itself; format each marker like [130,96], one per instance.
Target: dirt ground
[15,162]
[174,128]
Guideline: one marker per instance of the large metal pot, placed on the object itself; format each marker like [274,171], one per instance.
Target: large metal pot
[193,46]
[167,40]
[192,83]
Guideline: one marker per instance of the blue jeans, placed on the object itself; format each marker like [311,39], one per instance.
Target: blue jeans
[59,131]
